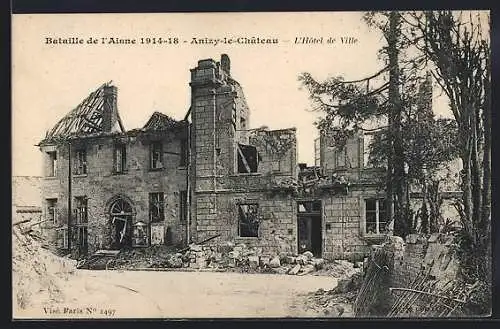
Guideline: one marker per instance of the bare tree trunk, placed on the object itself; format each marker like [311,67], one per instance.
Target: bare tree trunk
[398,183]
[486,208]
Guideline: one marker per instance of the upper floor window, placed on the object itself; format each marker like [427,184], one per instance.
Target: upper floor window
[156,207]
[156,155]
[341,157]
[80,162]
[248,222]
[309,206]
[52,211]
[81,212]
[376,216]
[120,158]
[52,164]
[248,158]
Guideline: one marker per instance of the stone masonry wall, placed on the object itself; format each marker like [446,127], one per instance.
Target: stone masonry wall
[100,184]
[277,229]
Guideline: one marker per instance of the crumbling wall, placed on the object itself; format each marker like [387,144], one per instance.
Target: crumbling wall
[420,263]
[277,151]
[342,217]
[219,215]
[100,184]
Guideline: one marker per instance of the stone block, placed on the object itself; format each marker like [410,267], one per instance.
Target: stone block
[291,260]
[295,270]
[308,254]
[253,262]
[302,260]
[275,262]
[307,269]
[265,261]
[318,263]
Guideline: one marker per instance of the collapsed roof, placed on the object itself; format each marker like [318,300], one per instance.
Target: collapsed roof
[160,121]
[96,114]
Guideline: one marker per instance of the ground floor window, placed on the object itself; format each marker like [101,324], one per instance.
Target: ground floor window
[376,216]
[156,207]
[62,238]
[248,220]
[82,238]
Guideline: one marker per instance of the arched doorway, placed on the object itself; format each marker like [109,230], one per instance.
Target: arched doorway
[120,213]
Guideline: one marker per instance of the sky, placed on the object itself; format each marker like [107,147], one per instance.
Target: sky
[49,80]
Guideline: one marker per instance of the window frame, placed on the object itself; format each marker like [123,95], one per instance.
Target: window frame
[257,221]
[160,204]
[123,158]
[341,151]
[80,167]
[81,211]
[377,212]
[152,148]
[241,155]
[52,172]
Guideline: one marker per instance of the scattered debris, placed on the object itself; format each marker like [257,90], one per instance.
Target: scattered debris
[38,275]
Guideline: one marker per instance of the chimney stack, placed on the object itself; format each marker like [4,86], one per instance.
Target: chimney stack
[109,110]
[225,64]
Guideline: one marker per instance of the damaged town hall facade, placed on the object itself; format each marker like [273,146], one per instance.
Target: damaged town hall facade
[210,175]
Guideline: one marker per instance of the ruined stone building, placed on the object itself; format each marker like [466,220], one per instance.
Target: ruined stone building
[171,181]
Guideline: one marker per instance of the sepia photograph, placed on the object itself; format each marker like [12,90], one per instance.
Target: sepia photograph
[312,165]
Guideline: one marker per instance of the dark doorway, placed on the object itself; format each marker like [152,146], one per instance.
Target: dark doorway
[121,224]
[309,227]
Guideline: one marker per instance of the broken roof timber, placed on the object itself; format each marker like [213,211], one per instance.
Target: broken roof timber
[87,118]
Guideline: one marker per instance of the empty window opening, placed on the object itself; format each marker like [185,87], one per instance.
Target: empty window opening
[80,211]
[309,207]
[52,210]
[248,159]
[120,158]
[156,155]
[80,162]
[183,205]
[376,216]
[62,238]
[341,157]
[248,220]
[156,207]
[243,124]
[52,164]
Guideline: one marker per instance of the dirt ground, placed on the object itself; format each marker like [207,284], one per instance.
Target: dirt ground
[131,294]
[48,286]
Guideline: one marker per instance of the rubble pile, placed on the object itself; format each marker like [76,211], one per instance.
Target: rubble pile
[223,258]
[38,275]
[337,302]
[251,259]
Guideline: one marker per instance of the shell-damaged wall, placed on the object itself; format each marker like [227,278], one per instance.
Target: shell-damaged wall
[101,184]
[221,124]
